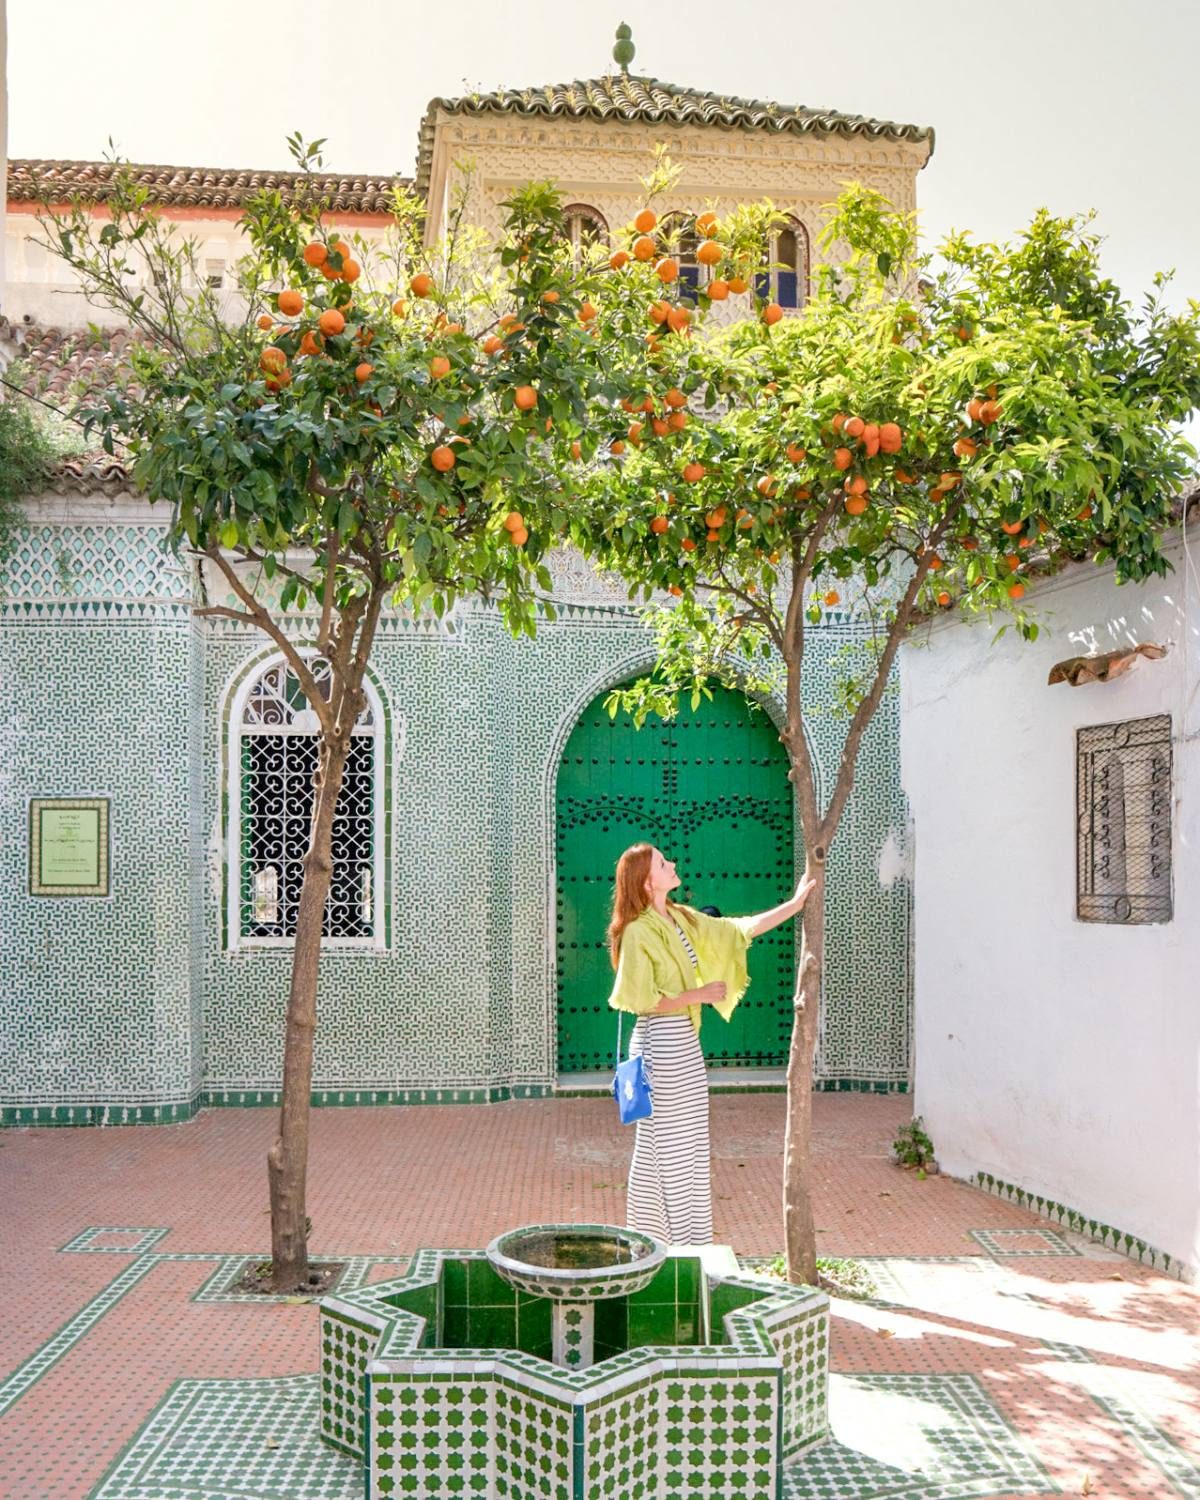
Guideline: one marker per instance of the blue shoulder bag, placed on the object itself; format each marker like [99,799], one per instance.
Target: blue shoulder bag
[632,1085]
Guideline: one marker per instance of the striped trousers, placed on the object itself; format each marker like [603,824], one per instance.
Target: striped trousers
[670,1177]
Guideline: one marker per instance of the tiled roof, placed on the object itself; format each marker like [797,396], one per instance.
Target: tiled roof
[59,367]
[623,97]
[192,187]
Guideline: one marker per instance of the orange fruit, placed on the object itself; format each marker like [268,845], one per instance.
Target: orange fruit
[442,459]
[272,360]
[363,372]
[659,525]
[717,289]
[854,427]
[1016,590]
[1010,528]
[855,484]
[832,598]
[772,313]
[618,259]
[635,432]
[576,449]
[706,223]
[841,458]
[329,272]
[990,412]
[525,397]
[645,221]
[677,421]
[617,446]
[315,253]
[693,472]
[310,342]
[266,322]
[658,312]
[514,521]
[974,407]
[675,589]
[949,479]
[904,477]
[966,447]
[421,285]
[399,307]
[737,284]
[647,403]
[1085,514]
[340,247]
[713,536]
[290,303]
[856,505]
[551,296]
[1013,561]
[586,313]
[767,487]
[890,437]
[660,427]
[644,248]
[439,366]
[678,319]
[351,270]
[969,543]
[709,253]
[936,564]
[667,269]
[943,598]
[518,538]
[675,397]
[796,454]
[492,344]
[687,544]
[331,322]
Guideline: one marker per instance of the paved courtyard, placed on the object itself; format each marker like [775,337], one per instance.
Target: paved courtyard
[1002,1355]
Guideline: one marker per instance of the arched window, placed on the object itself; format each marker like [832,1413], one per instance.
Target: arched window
[585,229]
[273,752]
[785,279]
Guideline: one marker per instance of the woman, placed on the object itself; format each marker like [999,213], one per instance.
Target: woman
[671,961]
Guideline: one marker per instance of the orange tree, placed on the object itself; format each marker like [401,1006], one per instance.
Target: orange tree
[398,425]
[924,436]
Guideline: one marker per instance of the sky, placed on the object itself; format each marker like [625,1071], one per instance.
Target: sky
[1072,104]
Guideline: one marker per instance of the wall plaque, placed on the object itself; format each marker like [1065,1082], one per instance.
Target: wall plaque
[68,846]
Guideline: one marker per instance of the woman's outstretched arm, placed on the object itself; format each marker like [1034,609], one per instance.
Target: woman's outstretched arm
[763,921]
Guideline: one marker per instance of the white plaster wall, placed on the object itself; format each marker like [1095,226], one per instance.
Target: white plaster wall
[1059,1055]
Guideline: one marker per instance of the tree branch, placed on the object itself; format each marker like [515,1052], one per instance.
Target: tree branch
[266,622]
[865,711]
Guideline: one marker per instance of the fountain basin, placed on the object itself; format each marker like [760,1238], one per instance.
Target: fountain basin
[706,1382]
[576,1262]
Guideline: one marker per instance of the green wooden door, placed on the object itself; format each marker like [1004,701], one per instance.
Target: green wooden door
[710,788]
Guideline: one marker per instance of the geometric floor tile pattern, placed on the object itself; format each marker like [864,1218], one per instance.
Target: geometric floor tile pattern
[1003,1355]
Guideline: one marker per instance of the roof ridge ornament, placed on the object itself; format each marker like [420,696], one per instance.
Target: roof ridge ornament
[624,51]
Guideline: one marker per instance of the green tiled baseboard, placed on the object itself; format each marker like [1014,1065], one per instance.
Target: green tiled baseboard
[1119,1240]
[96,1114]
[860,1086]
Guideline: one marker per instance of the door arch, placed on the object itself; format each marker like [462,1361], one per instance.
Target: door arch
[709,787]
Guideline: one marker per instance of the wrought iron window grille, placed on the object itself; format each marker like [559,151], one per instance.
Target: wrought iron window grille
[1123,808]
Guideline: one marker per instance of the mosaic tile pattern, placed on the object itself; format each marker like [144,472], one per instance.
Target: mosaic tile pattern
[1119,1240]
[1008,1242]
[165,1018]
[233,1440]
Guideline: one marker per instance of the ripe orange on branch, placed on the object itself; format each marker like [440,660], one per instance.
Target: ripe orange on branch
[772,313]
[618,259]
[842,458]
[332,322]
[709,253]
[706,222]
[718,289]
[315,253]
[645,221]
[694,472]
[514,521]
[856,505]
[644,248]
[890,437]
[290,303]
[442,458]
[421,284]
[272,360]
[667,269]
[675,397]
[439,367]
[659,525]
[363,372]
[525,397]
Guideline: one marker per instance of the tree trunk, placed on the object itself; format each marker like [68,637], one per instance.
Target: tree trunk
[287,1160]
[799,1234]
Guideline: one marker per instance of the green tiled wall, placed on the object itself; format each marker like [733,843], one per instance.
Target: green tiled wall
[136,1005]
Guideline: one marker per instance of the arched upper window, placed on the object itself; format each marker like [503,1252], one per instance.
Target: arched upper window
[786,278]
[585,228]
[273,754]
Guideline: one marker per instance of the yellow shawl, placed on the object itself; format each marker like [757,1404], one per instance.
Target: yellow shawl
[652,961]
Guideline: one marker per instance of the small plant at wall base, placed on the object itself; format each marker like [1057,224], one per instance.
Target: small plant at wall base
[926,435]
[30,450]
[912,1146]
[360,437]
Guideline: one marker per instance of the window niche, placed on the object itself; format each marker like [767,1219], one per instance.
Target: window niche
[274,754]
[1123,803]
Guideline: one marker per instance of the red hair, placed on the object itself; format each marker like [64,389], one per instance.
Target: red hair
[630,897]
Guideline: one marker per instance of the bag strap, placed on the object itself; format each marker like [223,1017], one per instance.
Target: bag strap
[620,1019]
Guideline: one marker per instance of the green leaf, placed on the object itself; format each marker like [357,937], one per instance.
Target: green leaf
[229,534]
